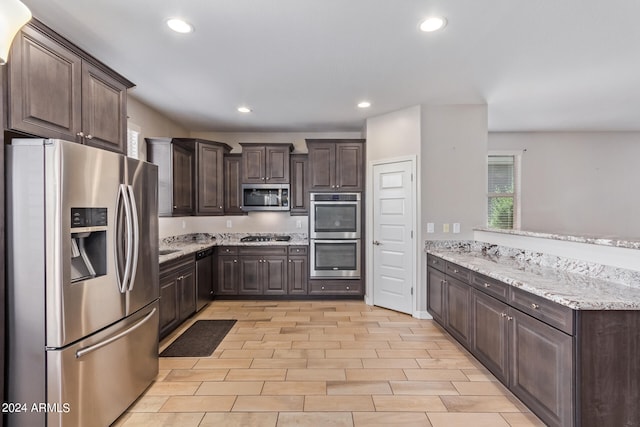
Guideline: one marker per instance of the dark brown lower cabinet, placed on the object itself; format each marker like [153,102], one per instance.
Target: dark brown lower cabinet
[263,270]
[177,293]
[228,274]
[570,367]
[458,303]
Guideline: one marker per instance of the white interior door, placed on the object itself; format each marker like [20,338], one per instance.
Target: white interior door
[393,247]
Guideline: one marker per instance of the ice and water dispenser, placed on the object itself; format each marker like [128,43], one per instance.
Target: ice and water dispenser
[88,243]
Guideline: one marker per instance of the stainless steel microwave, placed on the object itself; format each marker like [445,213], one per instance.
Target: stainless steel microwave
[265,197]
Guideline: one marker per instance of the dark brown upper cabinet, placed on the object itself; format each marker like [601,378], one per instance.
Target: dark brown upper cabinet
[56,90]
[190,175]
[336,164]
[232,187]
[265,163]
[299,195]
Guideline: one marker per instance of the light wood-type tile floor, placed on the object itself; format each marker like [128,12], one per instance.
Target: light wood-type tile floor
[325,363]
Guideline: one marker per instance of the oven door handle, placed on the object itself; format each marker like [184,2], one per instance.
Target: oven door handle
[335,241]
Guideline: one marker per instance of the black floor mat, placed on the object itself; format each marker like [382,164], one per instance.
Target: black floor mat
[200,340]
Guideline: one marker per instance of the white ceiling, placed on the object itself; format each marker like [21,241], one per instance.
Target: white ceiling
[302,65]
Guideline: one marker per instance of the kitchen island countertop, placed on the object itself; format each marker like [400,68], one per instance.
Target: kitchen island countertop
[577,291]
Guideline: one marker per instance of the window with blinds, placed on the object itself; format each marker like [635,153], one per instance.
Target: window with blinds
[502,192]
[133,138]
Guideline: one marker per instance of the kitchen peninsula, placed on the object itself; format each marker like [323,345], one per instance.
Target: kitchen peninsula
[561,334]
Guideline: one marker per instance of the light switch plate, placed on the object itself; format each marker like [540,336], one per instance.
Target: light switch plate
[456,227]
[445,228]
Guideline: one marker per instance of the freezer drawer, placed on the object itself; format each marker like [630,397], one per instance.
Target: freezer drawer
[100,377]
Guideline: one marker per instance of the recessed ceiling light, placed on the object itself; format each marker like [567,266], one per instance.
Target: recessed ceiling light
[244,109]
[364,104]
[179,25]
[433,23]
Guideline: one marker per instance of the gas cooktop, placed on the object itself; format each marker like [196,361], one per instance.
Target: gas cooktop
[266,239]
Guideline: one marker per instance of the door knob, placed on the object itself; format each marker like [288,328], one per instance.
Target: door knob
[377,243]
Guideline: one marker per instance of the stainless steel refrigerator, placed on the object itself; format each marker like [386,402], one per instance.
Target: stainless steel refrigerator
[82,288]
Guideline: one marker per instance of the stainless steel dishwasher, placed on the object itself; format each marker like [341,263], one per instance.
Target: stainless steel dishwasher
[204,277]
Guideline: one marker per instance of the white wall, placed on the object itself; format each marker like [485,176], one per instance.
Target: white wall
[578,183]
[454,169]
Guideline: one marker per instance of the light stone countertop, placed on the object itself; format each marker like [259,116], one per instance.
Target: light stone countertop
[577,291]
[192,243]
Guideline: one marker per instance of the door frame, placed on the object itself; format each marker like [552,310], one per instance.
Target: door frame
[418,291]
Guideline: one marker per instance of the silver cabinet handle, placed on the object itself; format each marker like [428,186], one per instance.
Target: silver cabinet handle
[235,260]
[455,270]
[347,288]
[535,306]
[289,260]
[80,134]
[486,285]
[89,136]
[503,314]
[509,318]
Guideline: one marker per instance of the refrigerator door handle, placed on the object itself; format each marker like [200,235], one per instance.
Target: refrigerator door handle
[136,236]
[123,196]
[116,337]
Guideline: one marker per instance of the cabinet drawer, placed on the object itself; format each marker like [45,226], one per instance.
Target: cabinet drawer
[335,287]
[490,286]
[170,267]
[262,250]
[554,314]
[298,250]
[228,250]
[454,270]
[435,262]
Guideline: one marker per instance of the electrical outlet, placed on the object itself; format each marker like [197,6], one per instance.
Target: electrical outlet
[456,227]
[298,224]
[445,228]
[184,224]
[229,224]
[430,227]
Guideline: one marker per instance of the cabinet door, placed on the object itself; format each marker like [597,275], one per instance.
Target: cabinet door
[299,196]
[250,275]
[182,181]
[253,164]
[349,166]
[436,294]
[490,334]
[187,293]
[104,110]
[458,303]
[45,89]
[210,182]
[232,185]
[274,277]
[228,268]
[322,166]
[298,275]
[542,373]
[169,315]
[277,164]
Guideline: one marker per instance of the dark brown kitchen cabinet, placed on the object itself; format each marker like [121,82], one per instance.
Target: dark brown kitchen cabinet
[176,165]
[490,334]
[232,185]
[190,175]
[542,369]
[177,293]
[228,271]
[263,271]
[298,270]
[336,165]
[56,90]
[299,200]
[570,367]
[458,310]
[265,163]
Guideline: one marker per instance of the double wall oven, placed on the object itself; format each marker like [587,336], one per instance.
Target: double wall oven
[335,230]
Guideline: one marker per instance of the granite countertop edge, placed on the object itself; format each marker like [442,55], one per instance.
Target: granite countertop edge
[572,290]
[186,246]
